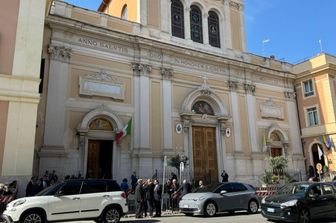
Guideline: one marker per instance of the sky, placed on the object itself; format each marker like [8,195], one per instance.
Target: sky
[291,30]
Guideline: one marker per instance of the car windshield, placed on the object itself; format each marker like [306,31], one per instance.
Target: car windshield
[293,189]
[207,188]
[50,190]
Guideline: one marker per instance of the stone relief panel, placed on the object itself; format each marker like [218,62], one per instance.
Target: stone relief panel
[270,110]
[102,84]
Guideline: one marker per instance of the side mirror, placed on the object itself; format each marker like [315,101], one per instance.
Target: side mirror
[59,193]
[223,192]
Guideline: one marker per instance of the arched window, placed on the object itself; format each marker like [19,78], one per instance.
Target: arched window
[202,107]
[213,26]
[196,24]
[124,12]
[177,18]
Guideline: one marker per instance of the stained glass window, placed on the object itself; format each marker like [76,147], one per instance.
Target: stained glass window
[196,24]
[177,18]
[213,26]
[202,107]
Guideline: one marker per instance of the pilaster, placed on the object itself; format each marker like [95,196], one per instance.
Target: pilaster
[167,75]
[57,94]
[142,103]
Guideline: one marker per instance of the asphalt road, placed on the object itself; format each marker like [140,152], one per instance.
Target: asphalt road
[240,217]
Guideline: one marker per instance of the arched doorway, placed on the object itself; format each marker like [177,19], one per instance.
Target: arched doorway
[204,116]
[276,145]
[99,155]
[99,152]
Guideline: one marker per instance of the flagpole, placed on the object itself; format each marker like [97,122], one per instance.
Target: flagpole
[163,179]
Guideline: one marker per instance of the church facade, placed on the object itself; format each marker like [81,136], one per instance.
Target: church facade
[179,71]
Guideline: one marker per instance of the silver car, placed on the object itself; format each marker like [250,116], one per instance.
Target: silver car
[222,197]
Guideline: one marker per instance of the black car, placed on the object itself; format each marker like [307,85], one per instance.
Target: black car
[301,202]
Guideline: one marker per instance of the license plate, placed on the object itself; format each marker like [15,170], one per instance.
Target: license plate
[271,210]
[185,206]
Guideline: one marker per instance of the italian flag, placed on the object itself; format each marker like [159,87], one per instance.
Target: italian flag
[125,131]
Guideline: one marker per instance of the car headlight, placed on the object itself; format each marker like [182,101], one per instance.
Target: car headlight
[19,202]
[199,199]
[288,204]
[263,201]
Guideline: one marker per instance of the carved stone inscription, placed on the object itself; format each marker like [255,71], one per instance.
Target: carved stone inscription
[199,66]
[102,84]
[270,110]
[103,44]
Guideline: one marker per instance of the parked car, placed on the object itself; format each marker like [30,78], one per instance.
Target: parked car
[301,202]
[222,197]
[99,200]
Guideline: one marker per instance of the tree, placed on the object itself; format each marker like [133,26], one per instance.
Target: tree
[278,163]
[176,160]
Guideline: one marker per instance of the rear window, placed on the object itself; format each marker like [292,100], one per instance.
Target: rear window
[113,186]
[93,187]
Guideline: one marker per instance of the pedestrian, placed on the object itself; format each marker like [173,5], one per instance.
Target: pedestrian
[157,198]
[30,187]
[139,199]
[200,184]
[53,178]
[150,196]
[175,194]
[185,188]
[134,180]
[167,190]
[225,176]
[124,185]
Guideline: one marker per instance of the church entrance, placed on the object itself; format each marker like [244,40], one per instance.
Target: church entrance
[99,160]
[204,154]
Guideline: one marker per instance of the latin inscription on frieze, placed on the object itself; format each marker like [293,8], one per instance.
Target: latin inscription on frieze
[199,66]
[102,44]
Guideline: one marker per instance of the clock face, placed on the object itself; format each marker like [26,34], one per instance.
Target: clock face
[178,128]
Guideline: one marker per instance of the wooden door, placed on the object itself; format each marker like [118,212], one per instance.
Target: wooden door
[204,154]
[93,169]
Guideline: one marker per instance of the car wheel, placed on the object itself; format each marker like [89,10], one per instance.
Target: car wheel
[32,217]
[111,215]
[253,207]
[210,209]
[189,214]
[304,216]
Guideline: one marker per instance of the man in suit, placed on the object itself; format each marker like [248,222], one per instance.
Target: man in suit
[139,198]
[157,198]
[185,188]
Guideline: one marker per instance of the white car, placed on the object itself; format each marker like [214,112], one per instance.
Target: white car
[98,200]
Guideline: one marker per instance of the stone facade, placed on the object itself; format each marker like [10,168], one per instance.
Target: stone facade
[102,67]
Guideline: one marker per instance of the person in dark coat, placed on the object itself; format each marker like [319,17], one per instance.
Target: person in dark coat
[225,176]
[150,196]
[157,198]
[185,188]
[139,198]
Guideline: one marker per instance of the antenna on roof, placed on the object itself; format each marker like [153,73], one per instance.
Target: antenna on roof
[320,43]
[263,45]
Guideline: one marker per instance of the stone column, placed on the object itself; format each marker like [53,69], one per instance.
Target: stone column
[187,34]
[251,108]
[293,121]
[167,75]
[205,28]
[233,85]
[226,27]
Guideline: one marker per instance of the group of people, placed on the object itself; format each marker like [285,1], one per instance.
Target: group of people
[148,198]
[36,185]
